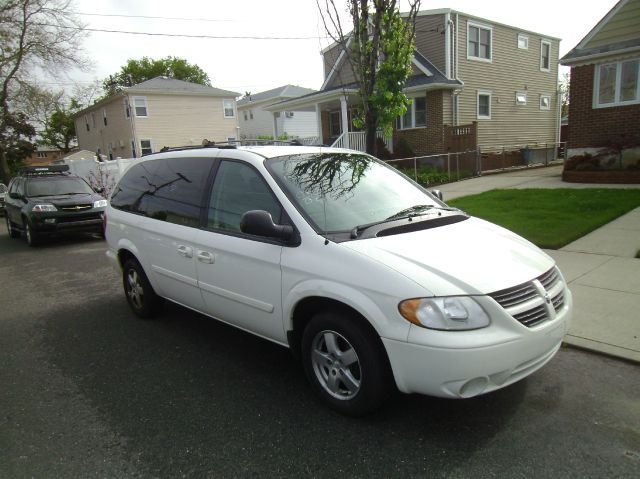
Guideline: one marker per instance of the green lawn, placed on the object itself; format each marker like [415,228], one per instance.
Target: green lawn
[550,218]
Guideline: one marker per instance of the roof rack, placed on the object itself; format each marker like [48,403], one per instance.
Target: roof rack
[232,144]
[43,170]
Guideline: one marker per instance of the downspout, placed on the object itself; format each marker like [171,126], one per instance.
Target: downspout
[457,102]
[133,128]
[447,46]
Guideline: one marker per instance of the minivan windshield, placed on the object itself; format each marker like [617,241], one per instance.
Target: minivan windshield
[342,191]
[57,186]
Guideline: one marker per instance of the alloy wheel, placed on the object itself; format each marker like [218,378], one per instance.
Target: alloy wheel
[336,365]
[135,290]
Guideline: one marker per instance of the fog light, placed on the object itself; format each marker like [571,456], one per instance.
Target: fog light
[50,221]
[474,387]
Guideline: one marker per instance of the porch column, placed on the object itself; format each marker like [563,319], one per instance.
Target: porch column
[344,120]
[319,123]
[275,126]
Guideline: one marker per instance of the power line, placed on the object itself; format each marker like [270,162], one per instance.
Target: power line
[181,35]
[151,17]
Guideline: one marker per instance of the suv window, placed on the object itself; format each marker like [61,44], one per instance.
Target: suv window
[166,189]
[239,188]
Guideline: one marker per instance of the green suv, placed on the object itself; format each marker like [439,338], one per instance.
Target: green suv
[46,200]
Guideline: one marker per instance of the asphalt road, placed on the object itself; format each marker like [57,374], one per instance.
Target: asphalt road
[87,390]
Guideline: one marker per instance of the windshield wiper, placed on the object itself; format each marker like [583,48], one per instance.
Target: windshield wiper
[407,213]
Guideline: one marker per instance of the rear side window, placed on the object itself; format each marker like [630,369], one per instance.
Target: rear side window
[239,188]
[168,190]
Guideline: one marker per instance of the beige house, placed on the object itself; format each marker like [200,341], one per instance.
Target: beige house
[497,80]
[160,112]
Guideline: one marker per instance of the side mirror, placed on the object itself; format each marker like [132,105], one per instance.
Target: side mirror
[260,223]
[437,194]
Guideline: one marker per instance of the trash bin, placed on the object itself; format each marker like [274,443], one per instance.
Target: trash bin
[527,155]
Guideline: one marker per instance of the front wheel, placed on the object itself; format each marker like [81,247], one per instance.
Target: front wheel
[141,297]
[345,363]
[31,236]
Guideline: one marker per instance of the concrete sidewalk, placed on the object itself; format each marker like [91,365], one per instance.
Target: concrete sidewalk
[602,272]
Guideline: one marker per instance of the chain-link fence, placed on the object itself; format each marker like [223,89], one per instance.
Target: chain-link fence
[449,167]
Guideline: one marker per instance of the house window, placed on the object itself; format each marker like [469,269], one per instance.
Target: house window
[521,98]
[133,149]
[545,102]
[145,147]
[334,123]
[227,105]
[127,108]
[93,120]
[415,116]
[251,114]
[617,83]
[231,139]
[545,56]
[244,114]
[140,106]
[523,41]
[484,105]
[42,154]
[479,42]
[104,116]
[86,122]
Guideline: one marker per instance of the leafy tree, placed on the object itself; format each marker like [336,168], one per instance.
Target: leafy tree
[378,50]
[60,129]
[564,85]
[137,71]
[16,140]
[34,34]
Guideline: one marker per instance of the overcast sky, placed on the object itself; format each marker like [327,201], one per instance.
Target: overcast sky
[260,64]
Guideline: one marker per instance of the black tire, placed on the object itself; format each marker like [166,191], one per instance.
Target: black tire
[351,388]
[140,295]
[33,239]
[10,229]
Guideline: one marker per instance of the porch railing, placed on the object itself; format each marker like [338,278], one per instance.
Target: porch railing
[358,140]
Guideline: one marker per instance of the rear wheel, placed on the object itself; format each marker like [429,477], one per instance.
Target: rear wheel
[10,229]
[141,297]
[345,363]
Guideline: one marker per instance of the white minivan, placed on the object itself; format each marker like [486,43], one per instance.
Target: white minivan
[371,280]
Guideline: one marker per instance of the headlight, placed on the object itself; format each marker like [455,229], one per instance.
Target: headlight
[100,204]
[447,314]
[43,207]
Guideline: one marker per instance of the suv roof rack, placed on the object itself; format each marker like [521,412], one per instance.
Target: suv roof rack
[43,170]
[232,144]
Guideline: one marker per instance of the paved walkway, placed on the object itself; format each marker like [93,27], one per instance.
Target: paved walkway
[602,272]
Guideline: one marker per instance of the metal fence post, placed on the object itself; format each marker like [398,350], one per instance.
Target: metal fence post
[449,165]
[415,168]
[458,165]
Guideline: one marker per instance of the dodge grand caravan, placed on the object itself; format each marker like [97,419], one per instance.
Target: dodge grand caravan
[371,280]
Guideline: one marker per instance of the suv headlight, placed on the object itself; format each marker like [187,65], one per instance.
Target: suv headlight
[100,204]
[43,207]
[454,313]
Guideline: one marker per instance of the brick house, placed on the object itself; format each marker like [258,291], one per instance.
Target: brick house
[495,81]
[604,110]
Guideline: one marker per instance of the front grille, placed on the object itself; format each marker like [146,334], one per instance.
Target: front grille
[76,207]
[526,302]
[81,217]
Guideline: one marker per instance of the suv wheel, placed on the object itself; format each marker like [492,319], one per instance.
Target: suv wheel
[143,300]
[30,235]
[345,364]
[12,232]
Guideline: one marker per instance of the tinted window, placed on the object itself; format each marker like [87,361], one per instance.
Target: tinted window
[169,190]
[238,188]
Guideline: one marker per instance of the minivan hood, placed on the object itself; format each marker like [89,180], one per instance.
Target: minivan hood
[68,200]
[468,257]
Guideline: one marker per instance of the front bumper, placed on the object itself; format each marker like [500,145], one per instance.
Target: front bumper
[58,223]
[465,364]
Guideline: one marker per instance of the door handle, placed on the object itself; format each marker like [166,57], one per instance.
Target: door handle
[185,251]
[206,257]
